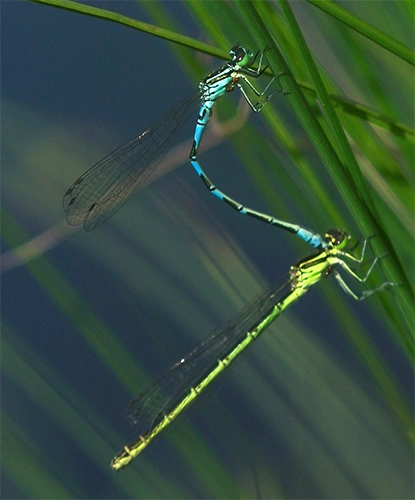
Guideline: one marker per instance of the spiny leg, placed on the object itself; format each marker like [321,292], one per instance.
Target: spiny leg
[359,260]
[366,293]
[363,295]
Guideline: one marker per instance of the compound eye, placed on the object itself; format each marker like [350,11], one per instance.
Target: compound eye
[237,53]
[334,237]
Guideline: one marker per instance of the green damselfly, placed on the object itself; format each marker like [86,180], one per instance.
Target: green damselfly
[162,402]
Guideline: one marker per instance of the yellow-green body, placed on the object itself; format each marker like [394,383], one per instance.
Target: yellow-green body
[302,276]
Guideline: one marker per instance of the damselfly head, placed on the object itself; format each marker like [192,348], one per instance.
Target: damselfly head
[336,238]
[240,55]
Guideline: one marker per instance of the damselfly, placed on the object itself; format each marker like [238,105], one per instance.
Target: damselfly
[103,189]
[161,403]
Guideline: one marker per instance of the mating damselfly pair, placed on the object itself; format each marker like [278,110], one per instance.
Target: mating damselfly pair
[107,186]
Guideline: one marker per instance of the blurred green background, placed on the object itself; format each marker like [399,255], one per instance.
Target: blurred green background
[321,406]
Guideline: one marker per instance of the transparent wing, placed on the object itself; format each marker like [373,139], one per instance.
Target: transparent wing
[103,189]
[148,408]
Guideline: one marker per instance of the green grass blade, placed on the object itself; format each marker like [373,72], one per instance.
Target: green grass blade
[108,15]
[349,181]
[365,29]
